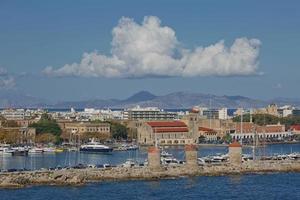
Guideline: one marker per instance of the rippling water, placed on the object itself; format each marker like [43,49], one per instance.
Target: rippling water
[267,186]
[73,158]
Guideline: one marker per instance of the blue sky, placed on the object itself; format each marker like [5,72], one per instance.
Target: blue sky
[37,34]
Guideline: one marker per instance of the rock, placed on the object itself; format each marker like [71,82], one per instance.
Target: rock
[21,180]
[8,183]
[77,179]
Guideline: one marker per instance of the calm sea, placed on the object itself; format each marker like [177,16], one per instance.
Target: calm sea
[73,158]
[267,186]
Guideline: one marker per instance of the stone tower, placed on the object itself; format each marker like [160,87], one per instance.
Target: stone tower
[193,119]
[235,153]
[191,155]
[154,158]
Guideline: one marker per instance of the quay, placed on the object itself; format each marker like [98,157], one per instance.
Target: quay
[152,171]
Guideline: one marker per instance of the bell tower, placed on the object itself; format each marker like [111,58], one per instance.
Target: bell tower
[193,118]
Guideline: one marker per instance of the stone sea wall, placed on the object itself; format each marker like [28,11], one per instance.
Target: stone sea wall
[82,176]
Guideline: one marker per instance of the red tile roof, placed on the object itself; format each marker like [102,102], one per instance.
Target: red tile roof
[168,130]
[235,144]
[153,150]
[295,127]
[270,129]
[167,124]
[205,129]
[250,127]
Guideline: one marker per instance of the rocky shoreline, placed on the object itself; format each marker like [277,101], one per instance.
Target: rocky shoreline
[76,177]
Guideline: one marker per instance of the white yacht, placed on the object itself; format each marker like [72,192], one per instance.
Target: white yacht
[95,147]
[35,150]
[4,146]
[7,151]
[49,150]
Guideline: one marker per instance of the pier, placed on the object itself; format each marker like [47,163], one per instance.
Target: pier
[83,176]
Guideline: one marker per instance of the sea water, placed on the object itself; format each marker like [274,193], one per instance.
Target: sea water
[265,186]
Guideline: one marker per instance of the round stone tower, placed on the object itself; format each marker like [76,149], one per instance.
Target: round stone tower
[235,153]
[154,158]
[191,157]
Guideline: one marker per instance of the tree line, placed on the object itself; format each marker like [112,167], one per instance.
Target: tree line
[264,119]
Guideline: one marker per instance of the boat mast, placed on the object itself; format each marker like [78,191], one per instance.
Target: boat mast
[242,112]
[254,138]
[210,114]
[155,137]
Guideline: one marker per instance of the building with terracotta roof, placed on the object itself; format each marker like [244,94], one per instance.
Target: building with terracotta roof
[248,130]
[164,133]
[220,127]
[208,133]
[295,129]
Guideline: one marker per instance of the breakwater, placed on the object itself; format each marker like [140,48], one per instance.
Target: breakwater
[83,176]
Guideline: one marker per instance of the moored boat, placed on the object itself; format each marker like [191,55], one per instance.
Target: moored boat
[95,147]
[49,150]
[59,150]
[7,151]
[35,150]
[20,151]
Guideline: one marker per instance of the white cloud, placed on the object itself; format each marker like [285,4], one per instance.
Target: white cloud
[150,49]
[278,86]
[3,71]
[6,81]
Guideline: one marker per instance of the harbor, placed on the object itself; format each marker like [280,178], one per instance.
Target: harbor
[156,167]
[72,157]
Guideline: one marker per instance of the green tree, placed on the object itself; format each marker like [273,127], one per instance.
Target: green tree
[263,119]
[259,119]
[227,138]
[118,131]
[47,125]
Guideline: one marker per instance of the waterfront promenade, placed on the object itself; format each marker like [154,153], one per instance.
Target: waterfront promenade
[83,176]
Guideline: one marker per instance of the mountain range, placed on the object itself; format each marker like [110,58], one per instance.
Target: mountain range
[176,100]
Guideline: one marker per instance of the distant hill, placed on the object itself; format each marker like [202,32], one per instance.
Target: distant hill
[140,96]
[188,100]
[15,99]
[176,100]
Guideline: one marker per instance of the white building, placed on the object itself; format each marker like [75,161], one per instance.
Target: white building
[223,113]
[147,113]
[286,110]
[12,114]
